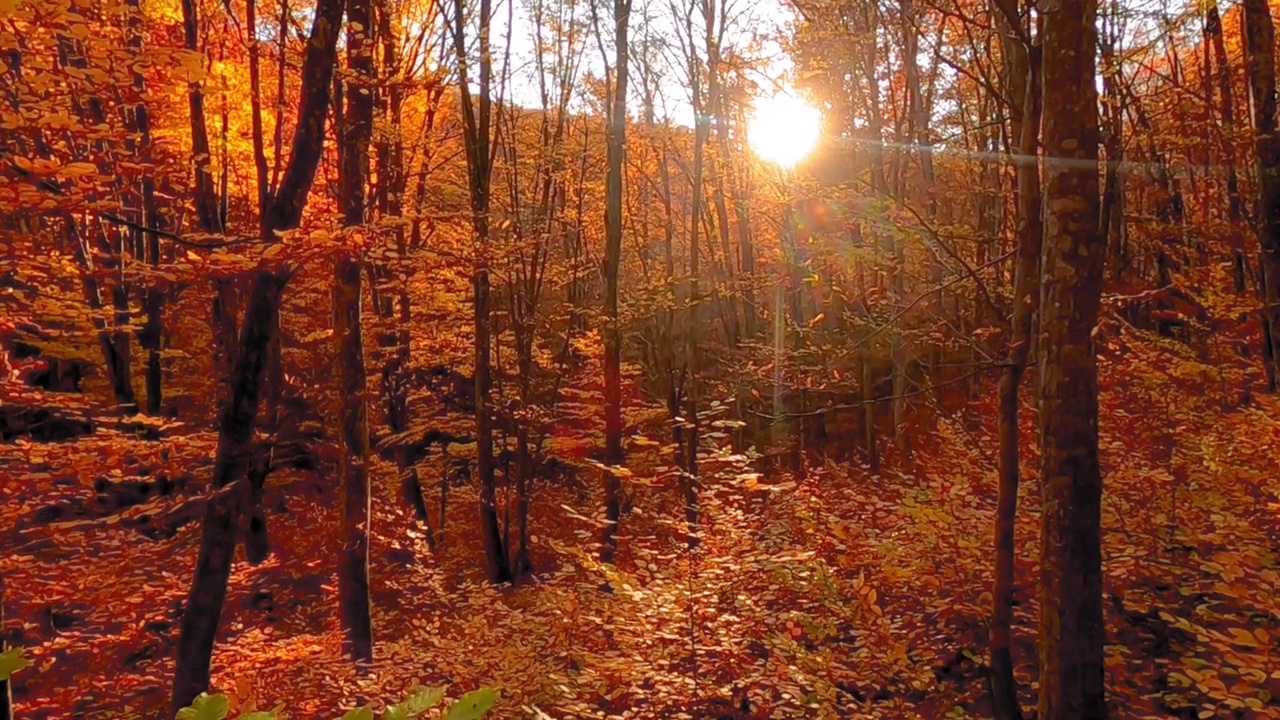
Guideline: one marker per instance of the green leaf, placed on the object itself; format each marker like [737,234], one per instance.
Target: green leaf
[360,713]
[206,707]
[414,705]
[473,705]
[11,661]
[272,714]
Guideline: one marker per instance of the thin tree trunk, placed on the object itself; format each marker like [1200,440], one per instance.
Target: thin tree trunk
[693,349]
[392,185]
[1259,37]
[1112,221]
[206,196]
[148,248]
[478,131]
[1213,32]
[521,563]
[740,187]
[1024,83]
[613,258]
[353,470]
[1072,630]
[868,396]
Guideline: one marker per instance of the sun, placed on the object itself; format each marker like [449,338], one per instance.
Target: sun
[783,129]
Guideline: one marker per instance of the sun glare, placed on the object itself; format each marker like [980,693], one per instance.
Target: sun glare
[783,129]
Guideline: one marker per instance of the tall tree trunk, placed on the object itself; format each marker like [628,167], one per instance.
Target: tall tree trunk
[257,545]
[478,129]
[1259,41]
[918,110]
[206,196]
[740,187]
[713,26]
[616,143]
[693,350]
[392,184]
[1071,619]
[868,399]
[667,316]
[235,431]
[148,249]
[1112,222]
[1023,69]
[1227,105]
[353,470]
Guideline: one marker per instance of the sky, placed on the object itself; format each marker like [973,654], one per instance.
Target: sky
[751,30]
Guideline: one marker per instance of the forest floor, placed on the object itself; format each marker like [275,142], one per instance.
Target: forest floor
[835,594]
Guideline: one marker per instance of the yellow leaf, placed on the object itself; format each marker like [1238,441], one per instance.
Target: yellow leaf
[1243,637]
[77,169]
[274,250]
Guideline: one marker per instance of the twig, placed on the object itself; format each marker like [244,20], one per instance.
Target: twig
[112,218]
[889,323]
[849,406]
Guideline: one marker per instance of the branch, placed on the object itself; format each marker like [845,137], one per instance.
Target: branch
[889,323]
[43,183]
[861,403]
[935,236]
[109,217]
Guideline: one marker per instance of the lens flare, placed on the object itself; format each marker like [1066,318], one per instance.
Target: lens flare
[784,129]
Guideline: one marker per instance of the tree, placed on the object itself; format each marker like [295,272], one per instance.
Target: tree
[693,296]
[147,244]
[1259,44]
[1022,80]
[616,147]
[258,331]
[353,469]
[1226,97]
[480,146]
[1071,618]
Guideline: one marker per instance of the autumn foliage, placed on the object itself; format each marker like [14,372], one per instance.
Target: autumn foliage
[383,345]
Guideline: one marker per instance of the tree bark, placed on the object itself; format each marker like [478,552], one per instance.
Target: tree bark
[615,149]
[1112,222]
[206,196]
[1213,34]
[148,248]
[1071,619]
[477,121]
[235,431]
[353,469]
[1024,85]
[693,349]
[1259,42]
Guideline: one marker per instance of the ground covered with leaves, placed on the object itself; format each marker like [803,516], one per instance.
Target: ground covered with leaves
[830,593]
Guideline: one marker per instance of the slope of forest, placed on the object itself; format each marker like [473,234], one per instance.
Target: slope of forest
[839,594]
[350,347]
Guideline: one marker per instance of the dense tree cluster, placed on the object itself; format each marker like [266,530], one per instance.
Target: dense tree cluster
[526,248]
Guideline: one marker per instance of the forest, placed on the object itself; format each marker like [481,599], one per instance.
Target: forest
[639,359]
